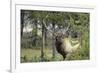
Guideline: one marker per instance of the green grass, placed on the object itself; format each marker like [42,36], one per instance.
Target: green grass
[34,55]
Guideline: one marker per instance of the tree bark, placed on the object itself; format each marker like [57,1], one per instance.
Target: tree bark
[45,37]
[53,41]
[43,42]
[36,29]
[22,22]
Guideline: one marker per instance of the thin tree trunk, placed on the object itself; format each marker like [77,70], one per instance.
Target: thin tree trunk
[22,22]
[53,41]
[36,33]
[45,38]
[43,42]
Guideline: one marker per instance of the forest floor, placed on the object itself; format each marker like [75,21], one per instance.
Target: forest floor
[34,55]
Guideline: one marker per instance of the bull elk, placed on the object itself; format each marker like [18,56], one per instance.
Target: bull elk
[63,43]
[64,46]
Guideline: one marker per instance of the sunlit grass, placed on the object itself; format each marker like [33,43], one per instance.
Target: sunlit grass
[34,55]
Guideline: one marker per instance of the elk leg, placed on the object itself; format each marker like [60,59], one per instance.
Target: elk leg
[64,56]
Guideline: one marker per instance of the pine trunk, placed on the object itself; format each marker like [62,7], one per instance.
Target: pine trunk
[43,42]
